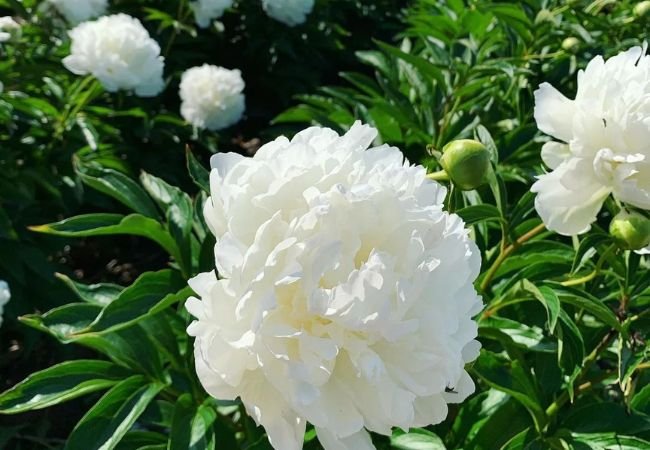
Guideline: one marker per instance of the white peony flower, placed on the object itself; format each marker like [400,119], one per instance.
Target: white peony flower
[212,97]
[5,295]
[77,11]
[603,142]
[205,11]
[289,12]
[9,29]
[119,52]
[344,296]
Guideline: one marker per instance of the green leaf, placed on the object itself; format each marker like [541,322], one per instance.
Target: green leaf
[104,425]
[99,294]
[178,211]
[199,174]
[192,428]
[513,379]
[150,293]
[417,439]
[606,417]
[479,213]
[549,299]
[571,347]
[581,299]
[63,322]
[103,224]
[641,400]
[608,441]
[60,383]
[119,186]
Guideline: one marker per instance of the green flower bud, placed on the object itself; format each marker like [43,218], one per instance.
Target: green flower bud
[631,231]
[571,44]
[642,9]
[467,162]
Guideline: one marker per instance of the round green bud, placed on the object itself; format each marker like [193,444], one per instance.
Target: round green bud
[467,162]
[571,44]
[642,9]
[631,231]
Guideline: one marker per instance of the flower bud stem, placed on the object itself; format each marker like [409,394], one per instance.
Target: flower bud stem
[440,175]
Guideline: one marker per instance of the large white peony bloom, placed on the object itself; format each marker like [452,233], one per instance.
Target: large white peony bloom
[205,11]
[212,97]
[604,135]
[289,12]
[5,295]
[77,11]
[9,29]
[344,295]
[119,52]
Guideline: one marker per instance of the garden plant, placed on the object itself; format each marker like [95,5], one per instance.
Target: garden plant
[324,224]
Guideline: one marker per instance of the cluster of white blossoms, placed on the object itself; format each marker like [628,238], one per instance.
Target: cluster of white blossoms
[289,12]
[77,11]
[119,52]
[205,11]
[212,97]
[5,295]
[10,30]
[344,294]
[603,142]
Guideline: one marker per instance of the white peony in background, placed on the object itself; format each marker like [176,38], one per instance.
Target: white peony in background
[5,296]
[77,11]
[289,12]
[602,145]
[119,52]
[212,97]
[345,293]
[205,11]
[9,29]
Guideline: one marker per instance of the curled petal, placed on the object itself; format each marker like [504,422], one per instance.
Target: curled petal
[569,198]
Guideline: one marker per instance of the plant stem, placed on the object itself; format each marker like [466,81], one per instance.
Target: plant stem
[440,175]
[592,275]
[555,407]
[507,252]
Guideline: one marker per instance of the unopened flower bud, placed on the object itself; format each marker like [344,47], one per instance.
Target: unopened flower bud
[467,162]
[571,44]
[642,9]
[630,230]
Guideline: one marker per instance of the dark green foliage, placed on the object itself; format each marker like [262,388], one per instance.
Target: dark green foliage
[90,176]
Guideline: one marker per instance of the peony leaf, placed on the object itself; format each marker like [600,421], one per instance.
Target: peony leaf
[98,294]
[418,439]
[103,224]
[60,383]
[113,415]
[119,186]
[549,299]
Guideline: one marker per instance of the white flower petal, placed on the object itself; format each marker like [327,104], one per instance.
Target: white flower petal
[5,296]
[212,97]
[118,51]
[328,253]
[555,153]
[569,198]
[358,441]
[77,11]
[606,126]
[289,12]
[554,112]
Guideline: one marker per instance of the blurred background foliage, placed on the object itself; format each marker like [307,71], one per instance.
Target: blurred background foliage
[566,322]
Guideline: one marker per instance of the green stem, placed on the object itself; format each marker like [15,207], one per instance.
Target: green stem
[555,407]
[440,175]
[587,278]
[507,252]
